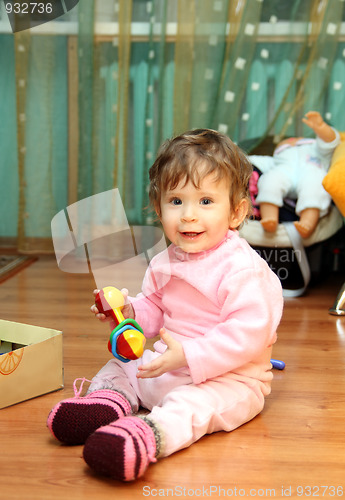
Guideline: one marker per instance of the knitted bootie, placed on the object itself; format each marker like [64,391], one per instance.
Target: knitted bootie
[122,450]
[73,420]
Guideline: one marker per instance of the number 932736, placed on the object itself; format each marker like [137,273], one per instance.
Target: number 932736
[29,8]
[319,491]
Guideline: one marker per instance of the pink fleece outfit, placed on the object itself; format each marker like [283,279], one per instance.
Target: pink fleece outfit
[224,306]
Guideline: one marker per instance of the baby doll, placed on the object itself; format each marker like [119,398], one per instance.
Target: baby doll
[296,170]
[216,306]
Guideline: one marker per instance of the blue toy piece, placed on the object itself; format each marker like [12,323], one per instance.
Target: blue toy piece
[279,365]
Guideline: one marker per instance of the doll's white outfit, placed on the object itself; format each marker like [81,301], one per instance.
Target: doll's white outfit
[224,306]
[296,172]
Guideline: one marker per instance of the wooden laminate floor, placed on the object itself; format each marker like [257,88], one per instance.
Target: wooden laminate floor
[297,443]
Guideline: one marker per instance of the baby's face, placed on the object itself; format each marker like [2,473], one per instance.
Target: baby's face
[197,219]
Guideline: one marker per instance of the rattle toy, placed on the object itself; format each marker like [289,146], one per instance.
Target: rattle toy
[127,340]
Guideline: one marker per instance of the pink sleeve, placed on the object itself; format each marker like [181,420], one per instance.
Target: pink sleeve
[148,306]
[251,310]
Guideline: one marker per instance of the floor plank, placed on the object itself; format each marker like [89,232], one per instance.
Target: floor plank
[297,441]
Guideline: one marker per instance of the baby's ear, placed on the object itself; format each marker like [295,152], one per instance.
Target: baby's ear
[158,209]
[238,214]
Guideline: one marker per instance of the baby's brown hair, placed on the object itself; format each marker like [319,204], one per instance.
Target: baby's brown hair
[180,158]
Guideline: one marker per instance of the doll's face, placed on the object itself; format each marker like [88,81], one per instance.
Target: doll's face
[197,219]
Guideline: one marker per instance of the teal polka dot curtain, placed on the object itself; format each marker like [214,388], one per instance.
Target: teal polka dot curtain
[247,68]
[85,108]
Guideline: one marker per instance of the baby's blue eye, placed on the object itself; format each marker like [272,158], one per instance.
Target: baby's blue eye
[176,201]
[206,201]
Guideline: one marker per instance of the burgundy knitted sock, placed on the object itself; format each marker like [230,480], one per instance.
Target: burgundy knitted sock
[122,450]
[73,420]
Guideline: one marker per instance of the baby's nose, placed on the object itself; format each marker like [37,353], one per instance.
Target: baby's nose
[189,215]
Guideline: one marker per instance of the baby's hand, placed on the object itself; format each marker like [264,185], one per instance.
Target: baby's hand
[127,310]
[95,311]
[172,359]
